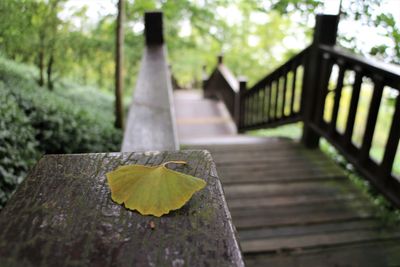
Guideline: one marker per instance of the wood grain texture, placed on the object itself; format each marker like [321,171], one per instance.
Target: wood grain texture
[367,254]
[295,207]
[63,215]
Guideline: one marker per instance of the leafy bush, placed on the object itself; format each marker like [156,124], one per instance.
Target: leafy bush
[18,149]
[36,121]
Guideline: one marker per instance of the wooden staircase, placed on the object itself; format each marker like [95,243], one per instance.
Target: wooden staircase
[290,205]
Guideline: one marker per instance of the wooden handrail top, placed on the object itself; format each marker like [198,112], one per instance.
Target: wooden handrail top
[151,122]
[229,77]
[278,71]
[65,205]
[390,72]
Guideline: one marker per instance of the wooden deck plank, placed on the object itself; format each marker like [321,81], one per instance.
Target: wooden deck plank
[300,230]
[266,220]
[285,199]
[316,240]
[315,188]
[254,205]
[367,254]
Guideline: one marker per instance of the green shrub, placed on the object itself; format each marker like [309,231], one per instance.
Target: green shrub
[18,149]
[36,121]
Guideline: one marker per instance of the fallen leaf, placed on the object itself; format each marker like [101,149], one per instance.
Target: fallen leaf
[152,225]
[152,190]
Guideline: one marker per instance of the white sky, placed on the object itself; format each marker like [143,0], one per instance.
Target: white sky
[95,9]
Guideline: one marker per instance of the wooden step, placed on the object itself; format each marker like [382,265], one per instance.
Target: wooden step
[257,190]
[296,207]
[316,240]
[383,253]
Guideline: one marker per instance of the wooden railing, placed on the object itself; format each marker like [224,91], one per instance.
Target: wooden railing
[151,121]
[377,77]
[274,100]
[222,84]
[298,91]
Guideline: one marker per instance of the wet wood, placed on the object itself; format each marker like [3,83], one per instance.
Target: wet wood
[63,215]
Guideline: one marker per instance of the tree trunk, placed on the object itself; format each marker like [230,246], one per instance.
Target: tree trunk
[119,66]
[41,68]
[50,72]
[100,79]
[85,76]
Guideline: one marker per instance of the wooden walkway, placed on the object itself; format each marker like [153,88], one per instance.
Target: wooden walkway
[291,206]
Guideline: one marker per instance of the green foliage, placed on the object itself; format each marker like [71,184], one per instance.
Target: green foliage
[18,149]
[33,31]
[292,131]
[369,13]
[35,121]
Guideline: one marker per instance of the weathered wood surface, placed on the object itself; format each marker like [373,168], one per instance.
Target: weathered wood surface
[151,121]
[295,207]
[63,215]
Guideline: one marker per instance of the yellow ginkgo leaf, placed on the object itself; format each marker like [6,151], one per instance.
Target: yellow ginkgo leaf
[152,190]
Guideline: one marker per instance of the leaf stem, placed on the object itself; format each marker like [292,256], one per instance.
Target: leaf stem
[174,161]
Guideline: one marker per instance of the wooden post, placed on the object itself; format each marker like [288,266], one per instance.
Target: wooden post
[119,78]
[204,77]
[153,28]
[239,103]
[220,59]
[325,32]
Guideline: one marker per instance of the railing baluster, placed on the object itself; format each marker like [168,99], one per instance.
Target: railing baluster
[256,103]
[269,101]
[253,108]
[247,111]
[251,121]
[285,74]
[263,103]
[276,98]
[371,120]
[392,142]
[263,113]
[353,108]
[294,76]
[338,94]
[326,69]
[240,98]
[260,96]
[274,102]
